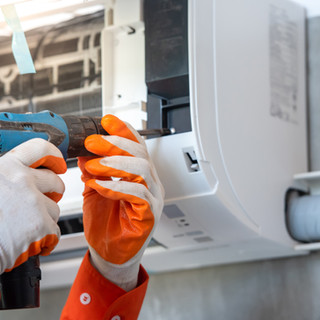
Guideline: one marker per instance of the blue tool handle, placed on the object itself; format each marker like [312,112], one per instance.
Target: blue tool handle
[18,128]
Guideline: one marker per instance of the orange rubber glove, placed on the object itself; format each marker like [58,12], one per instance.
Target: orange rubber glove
[28,197]
[123,201]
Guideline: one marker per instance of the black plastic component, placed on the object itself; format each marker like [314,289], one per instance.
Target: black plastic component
[167,74]
[20,288]
[176,114]
[79,128]
[71,224]
[166,32]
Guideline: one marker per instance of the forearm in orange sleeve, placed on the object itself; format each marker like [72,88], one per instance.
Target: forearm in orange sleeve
[94,297]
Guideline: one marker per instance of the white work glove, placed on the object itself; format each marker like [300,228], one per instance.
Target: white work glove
[119,215]
[28,196]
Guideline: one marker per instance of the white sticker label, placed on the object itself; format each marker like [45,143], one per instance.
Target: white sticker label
[283,36]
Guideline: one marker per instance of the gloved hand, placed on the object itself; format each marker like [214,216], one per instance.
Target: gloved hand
[28,196]
[123,201]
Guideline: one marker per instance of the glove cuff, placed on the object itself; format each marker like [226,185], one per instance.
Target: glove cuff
[124,276]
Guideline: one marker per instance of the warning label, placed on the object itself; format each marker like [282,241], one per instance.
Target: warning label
[283,36]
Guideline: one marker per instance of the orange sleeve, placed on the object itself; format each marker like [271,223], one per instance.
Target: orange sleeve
[94,297]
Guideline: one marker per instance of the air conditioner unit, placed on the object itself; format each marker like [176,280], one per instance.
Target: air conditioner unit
[235,93]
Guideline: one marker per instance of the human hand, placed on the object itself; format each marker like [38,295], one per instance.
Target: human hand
[123,201]
[28,201]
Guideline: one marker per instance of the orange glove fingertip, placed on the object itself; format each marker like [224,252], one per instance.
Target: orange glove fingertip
[115,126]
[95,144]
[110,123]
[90,140]
[55,196]
[57,165]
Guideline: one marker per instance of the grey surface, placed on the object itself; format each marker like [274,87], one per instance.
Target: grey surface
[51,305]
[266,290]
[278,289]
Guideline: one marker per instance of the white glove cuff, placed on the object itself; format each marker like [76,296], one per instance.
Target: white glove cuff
[124,276]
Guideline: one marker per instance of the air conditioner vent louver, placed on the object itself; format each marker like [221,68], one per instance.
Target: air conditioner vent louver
[68,70]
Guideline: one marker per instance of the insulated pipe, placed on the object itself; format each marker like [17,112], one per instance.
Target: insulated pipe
[303,218]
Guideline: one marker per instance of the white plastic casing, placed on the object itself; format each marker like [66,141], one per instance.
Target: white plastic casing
[247,84]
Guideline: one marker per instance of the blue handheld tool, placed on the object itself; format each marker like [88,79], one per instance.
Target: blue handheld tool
[66,132]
